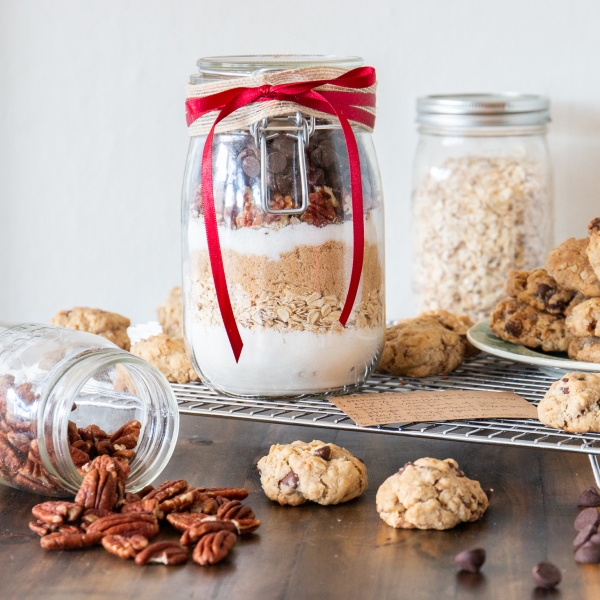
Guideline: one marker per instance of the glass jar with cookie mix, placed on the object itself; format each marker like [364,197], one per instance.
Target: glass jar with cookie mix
[482,197]
[283,264]
[68,397]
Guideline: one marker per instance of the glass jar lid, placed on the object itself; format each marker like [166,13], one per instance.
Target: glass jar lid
[219,67]
[508,109]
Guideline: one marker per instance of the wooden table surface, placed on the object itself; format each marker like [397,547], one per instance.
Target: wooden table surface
[342,551]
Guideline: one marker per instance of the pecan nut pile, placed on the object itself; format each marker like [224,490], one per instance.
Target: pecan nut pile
[20,461]
[210,519]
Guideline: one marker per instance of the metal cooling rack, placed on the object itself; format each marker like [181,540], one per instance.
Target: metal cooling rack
[483,372]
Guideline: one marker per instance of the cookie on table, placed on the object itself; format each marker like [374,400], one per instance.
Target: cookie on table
[520,323]
[430,494]
[593,249]
[584,320]
[108,325]
[429,344]
[168,355]
[570,266]
[572,403]
[586,349]
[295,473]
[538,289]
[170,314]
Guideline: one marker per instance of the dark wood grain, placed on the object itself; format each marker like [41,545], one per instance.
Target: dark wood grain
[341,551]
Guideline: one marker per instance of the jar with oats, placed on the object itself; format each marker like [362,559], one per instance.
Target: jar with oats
[482,197]
[285,224]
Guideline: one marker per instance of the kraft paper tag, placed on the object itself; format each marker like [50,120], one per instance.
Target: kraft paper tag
[451,405]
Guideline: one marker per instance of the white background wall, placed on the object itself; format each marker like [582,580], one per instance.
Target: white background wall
[93,138]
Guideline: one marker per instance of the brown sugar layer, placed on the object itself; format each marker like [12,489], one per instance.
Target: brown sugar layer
[304,290]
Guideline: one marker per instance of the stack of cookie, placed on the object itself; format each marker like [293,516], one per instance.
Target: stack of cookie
[556,308]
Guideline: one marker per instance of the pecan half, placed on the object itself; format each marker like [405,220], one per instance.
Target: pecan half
[9,461]
[20,440]
[145,491]
[168,489]
[213,547]
[42,528]
[57,512]
[78,456]
[127,525]
[196,532]
[234,509]
[180,502]
[93,514]
[182,521]
[72,541]
[144,506]
[204,504]
[130,430]
[229,493]
[165,553]
[129,498]
[124,547]
[98,490]
[245,526]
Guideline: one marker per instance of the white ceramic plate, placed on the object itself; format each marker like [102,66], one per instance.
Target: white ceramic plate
[553,363]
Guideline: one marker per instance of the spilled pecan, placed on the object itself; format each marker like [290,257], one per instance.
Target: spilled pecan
[124,547]
[229,493]
[127,525]
[194,533]
[204,504]
[144,506]
[165,553]
[93,514]
[57,512]
[213,547]
[182,521]
[168,489]
[98,490]
[180,502]
[72,541]
[42,528]
[234,509]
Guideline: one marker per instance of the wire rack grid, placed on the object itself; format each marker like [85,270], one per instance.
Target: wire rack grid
[483,372]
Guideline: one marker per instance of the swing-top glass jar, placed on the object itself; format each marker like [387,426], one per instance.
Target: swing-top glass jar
[482,197]
[62,394]
[284,212]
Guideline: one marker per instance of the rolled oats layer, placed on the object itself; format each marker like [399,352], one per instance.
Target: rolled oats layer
[478,218]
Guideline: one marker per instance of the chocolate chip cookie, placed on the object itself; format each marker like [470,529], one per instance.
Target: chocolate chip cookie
[430,494]
[323,473]
[170,314]
[538,289]
[584,320]
[593,249]
[108,325]
[429,344]
[572,404]
[586,349]
[520,323]
[168,355]
[570,266]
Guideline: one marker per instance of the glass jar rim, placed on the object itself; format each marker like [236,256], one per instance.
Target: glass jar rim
[505,109]
[249,64]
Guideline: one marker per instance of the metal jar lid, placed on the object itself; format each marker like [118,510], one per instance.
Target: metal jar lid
[458,111]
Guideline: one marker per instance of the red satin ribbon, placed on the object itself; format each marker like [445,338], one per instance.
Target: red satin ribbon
[345,106]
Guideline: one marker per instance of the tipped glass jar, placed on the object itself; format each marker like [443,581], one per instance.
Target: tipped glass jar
[57,383]
[284,216]
[482,198]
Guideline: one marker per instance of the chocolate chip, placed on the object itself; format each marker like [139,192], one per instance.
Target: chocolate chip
[316,177]
[291,480]
[276,162]
[285,181]
[470,560]
[545,291]
[565,379]
[488,492]
[558,306]
[588,516]
[546,575]
[584,535]
[588,553]
[564,390]
[595,539]
[323,155]
[514,328]
[589,497]
[460,473]
[285,145]
[324,452]
[251,166]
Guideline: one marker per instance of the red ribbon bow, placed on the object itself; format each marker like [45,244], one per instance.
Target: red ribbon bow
[345,106]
